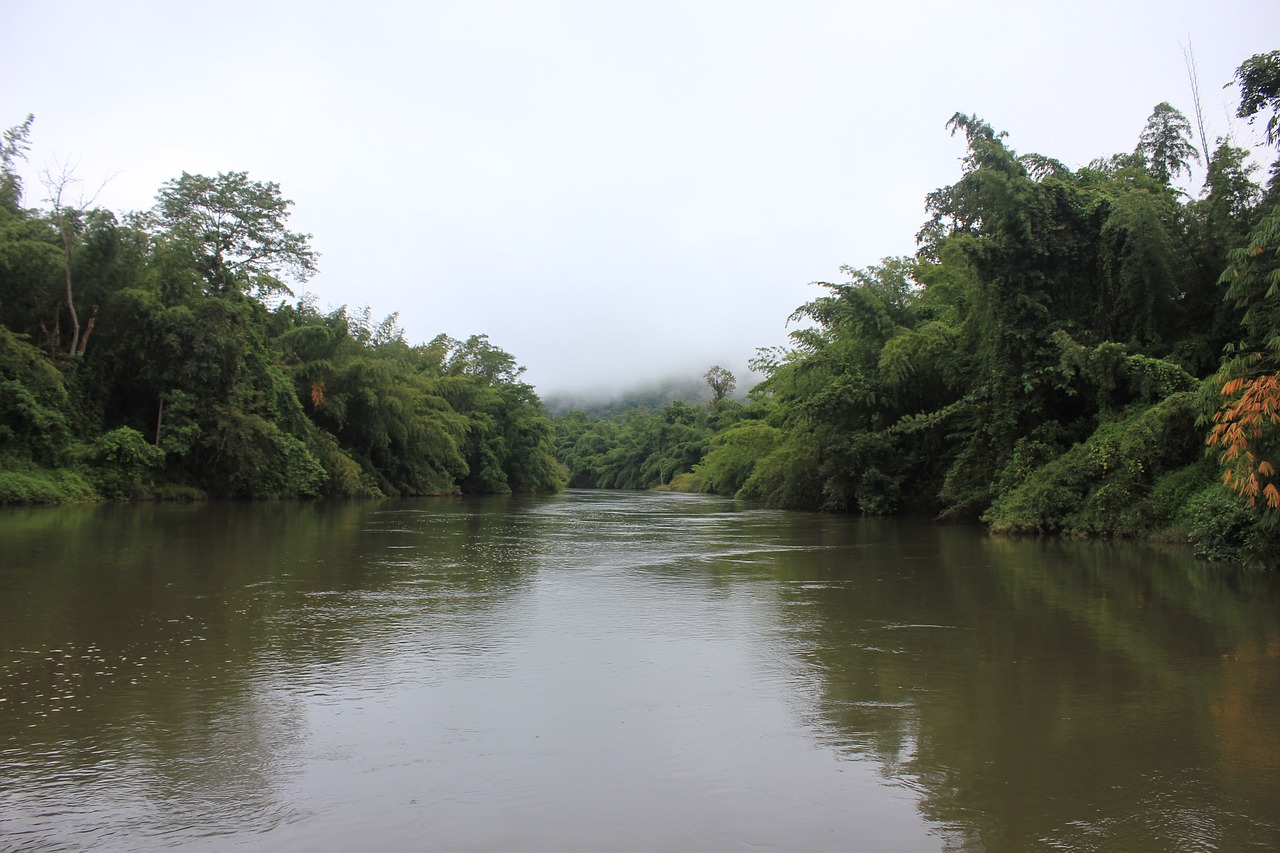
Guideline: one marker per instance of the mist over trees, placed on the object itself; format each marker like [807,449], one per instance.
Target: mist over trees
[1055,357]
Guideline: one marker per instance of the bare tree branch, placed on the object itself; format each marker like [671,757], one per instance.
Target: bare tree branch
[1189,59]
[58,185]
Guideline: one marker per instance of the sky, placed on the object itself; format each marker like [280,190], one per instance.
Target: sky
[614,192]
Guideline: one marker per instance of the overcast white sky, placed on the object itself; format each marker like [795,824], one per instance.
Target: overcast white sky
[614,192]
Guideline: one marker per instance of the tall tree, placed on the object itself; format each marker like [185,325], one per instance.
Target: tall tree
[722,382]
[1166,143]
[14,147]
[236,231]
[1246,425]
[30,258]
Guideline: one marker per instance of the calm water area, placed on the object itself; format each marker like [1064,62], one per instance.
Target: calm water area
[614,671]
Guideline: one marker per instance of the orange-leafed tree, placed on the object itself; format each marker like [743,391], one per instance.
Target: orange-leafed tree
[1246,426]
[1241,428]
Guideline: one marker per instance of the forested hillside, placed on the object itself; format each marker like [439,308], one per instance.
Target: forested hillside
[164,354]
[1087,350]
[650,397]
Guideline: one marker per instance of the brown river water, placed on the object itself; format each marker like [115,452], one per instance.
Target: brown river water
[618,671]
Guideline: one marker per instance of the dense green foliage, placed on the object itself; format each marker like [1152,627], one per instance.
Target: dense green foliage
[1048,361]
[138,358]
[640,450]
[1054,358]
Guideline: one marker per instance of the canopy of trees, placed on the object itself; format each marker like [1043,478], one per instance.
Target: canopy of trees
[192,384]
[1085,350]
[1051,360]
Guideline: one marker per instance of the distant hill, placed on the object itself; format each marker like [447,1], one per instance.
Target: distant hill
[649,398]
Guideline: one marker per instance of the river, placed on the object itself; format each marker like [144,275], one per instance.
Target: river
[625,672]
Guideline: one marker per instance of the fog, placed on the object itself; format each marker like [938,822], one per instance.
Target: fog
[615,193]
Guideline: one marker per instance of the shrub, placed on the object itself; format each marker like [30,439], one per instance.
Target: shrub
[175,493]
[345,477]
[734,454]
[1173,491]
[41,486]
[33,404]
[686,482]
[1221,527]
[1104,485]
[119,462]
[787,478]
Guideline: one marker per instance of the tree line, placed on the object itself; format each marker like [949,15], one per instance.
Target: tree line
[1089,351]
[1085,350]
[163,354]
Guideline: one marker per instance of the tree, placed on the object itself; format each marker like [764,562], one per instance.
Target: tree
[733,455]
[236,231]
[722,382]
[35,411]
[1230,192]
[1166,143]
[70,222]
[1259,81]
[1142,268]
[12,149]
[1246,425]
[478,358]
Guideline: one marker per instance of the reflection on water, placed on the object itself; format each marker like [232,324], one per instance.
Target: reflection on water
[621,671]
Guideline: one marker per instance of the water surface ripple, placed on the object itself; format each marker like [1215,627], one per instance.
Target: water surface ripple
[624,672]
